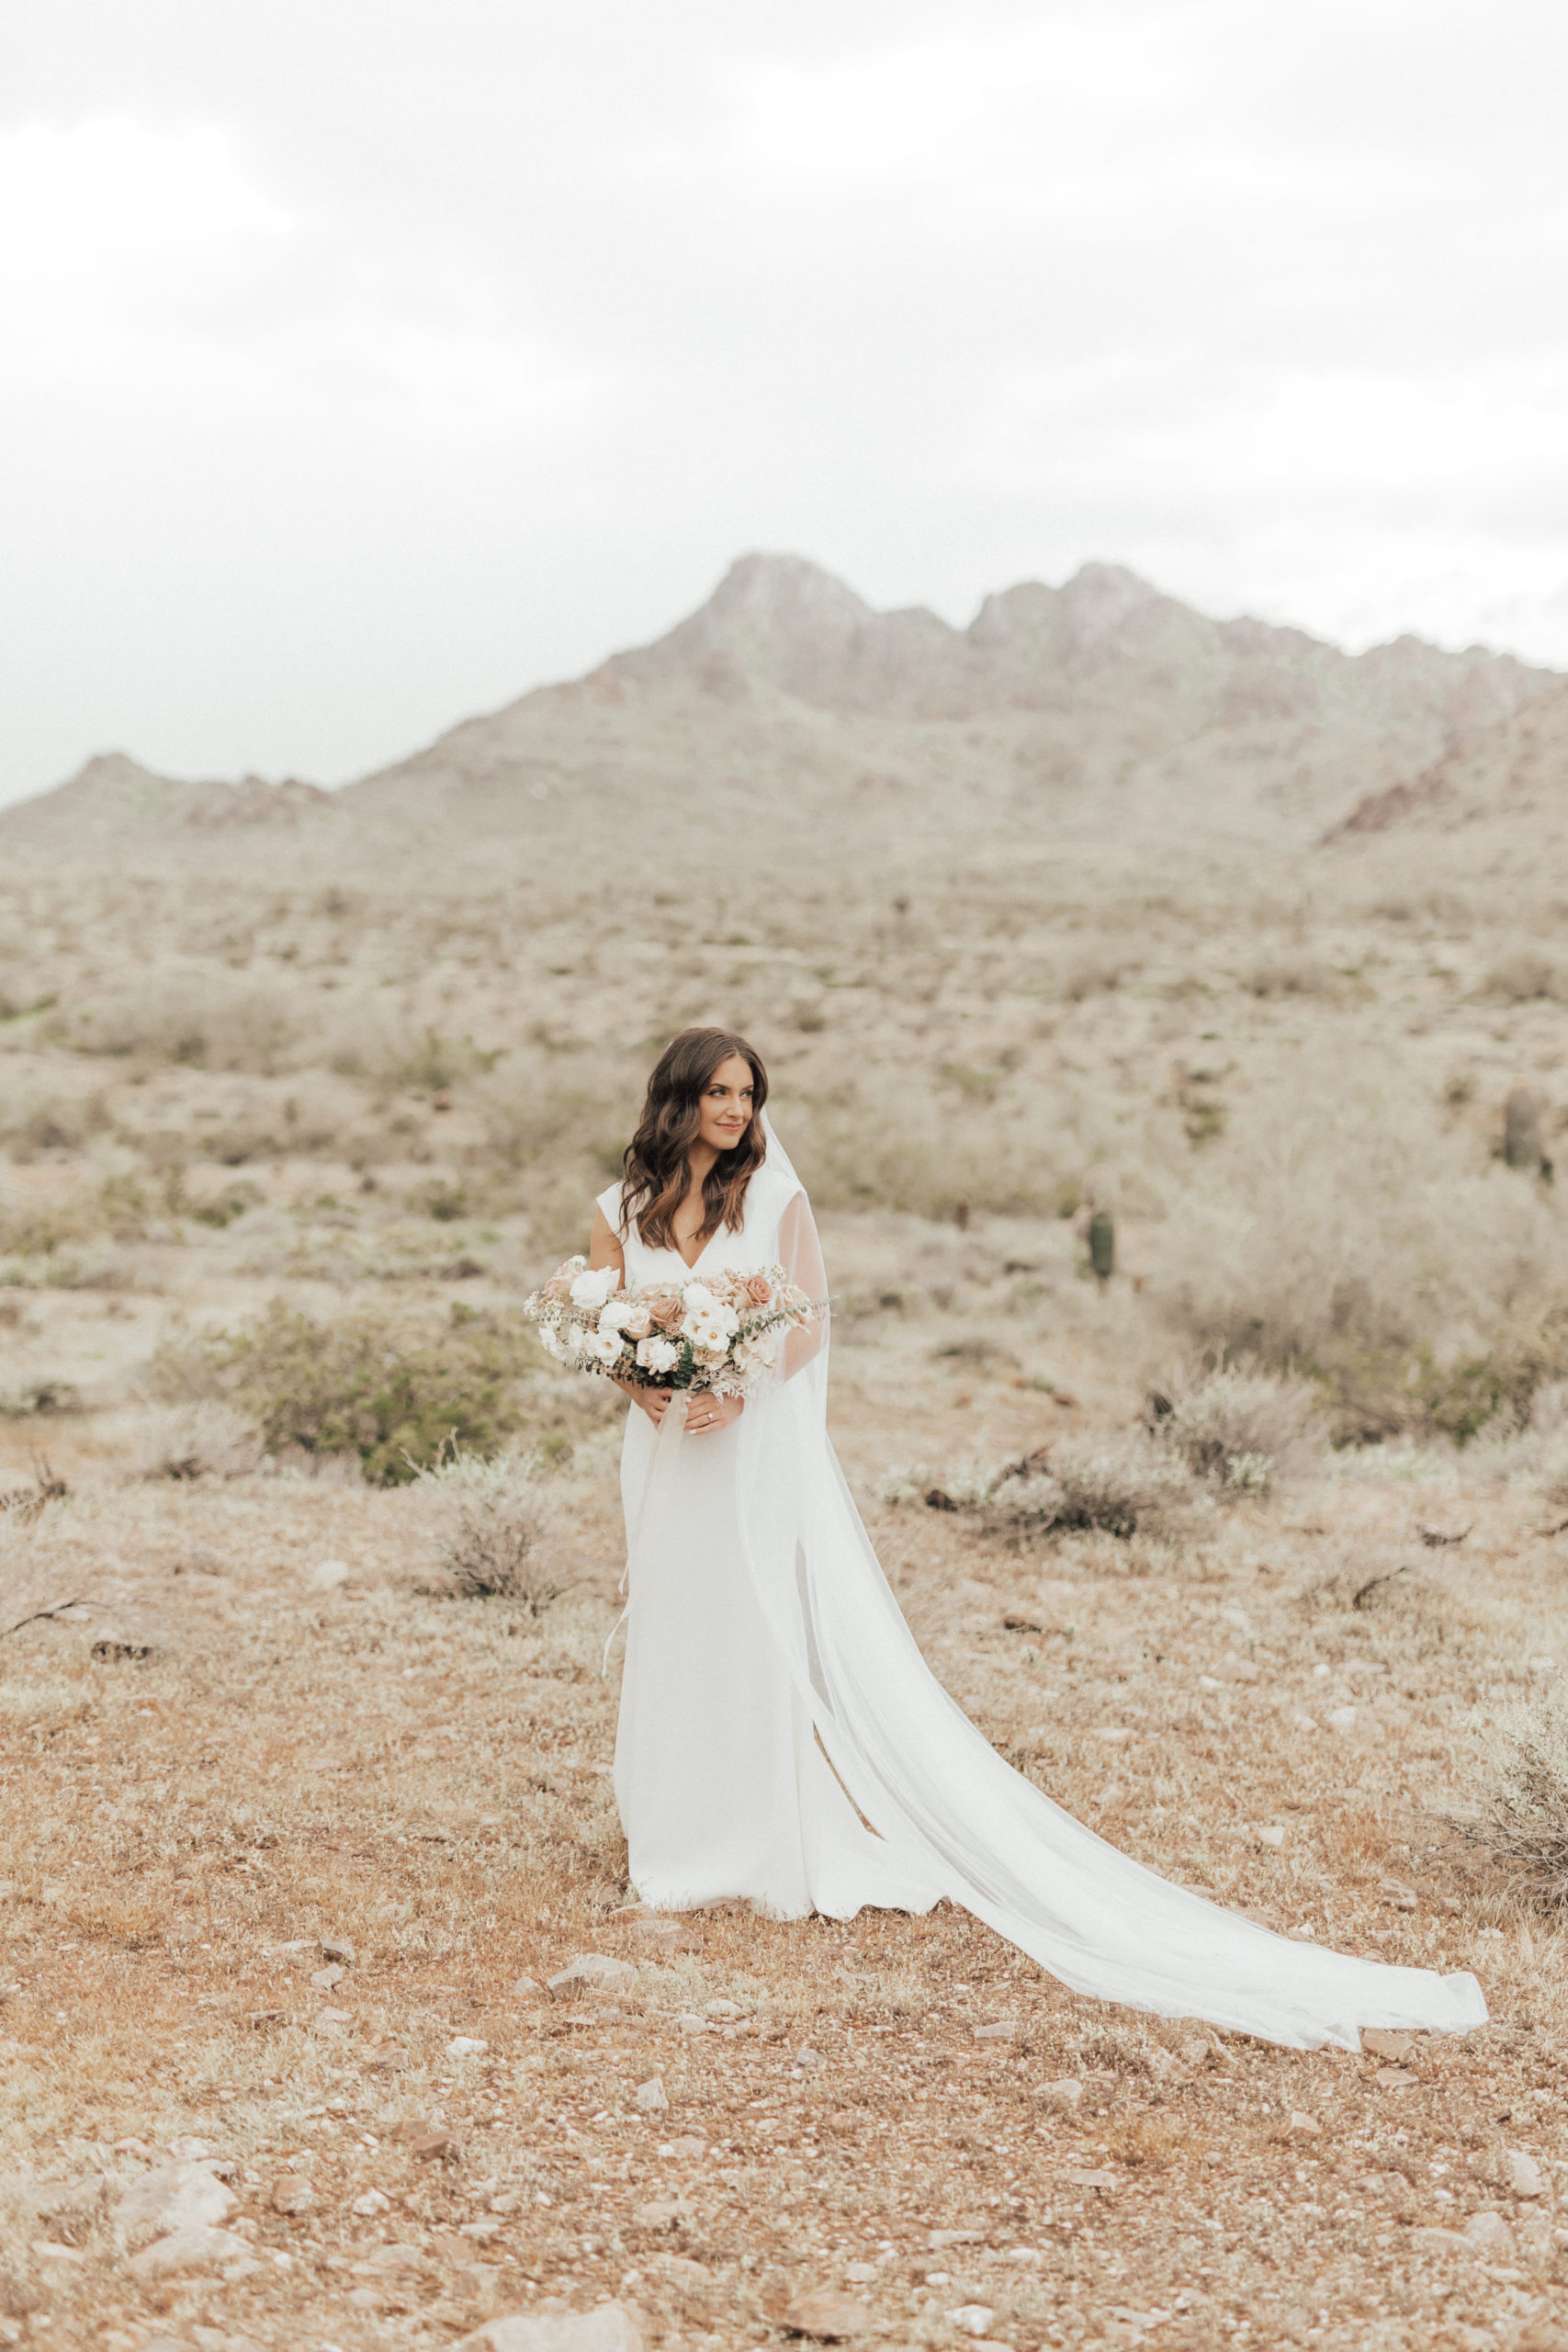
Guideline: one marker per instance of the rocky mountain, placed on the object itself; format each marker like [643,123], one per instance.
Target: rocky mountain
[113,800]
[789,711]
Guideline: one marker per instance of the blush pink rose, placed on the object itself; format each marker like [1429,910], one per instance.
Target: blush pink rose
[759,1289]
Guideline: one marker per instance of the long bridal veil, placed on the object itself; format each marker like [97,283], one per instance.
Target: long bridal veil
[958,1819]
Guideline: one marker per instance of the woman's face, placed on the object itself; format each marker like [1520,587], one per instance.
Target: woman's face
[725,1105]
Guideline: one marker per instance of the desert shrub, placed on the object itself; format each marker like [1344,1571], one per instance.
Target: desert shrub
[201,1437]
[233,1201]
[1118,1483]
[1297,977]
[200,1017]
[1238,1426]
[1530,1452]
[1346,1233]
[54,1123]
[1520,1824]
[27,1398]
[1526,977]
[358,1389]
[495,1520]
[904,1139]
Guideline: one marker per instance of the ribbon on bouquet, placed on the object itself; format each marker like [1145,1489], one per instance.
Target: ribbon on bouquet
[660,1465]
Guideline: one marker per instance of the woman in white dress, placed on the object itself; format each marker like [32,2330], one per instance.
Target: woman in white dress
[781,1737]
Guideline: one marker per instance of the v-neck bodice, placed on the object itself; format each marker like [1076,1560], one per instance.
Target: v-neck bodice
[755,1245]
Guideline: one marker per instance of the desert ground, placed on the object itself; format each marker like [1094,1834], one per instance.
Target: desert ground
[309,1557]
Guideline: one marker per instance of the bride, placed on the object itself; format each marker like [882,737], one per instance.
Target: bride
[781,1737]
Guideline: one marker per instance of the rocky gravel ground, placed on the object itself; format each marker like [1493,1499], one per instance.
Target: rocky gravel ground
[328,2018]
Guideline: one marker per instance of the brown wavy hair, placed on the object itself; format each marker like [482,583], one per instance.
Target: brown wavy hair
[655,1174]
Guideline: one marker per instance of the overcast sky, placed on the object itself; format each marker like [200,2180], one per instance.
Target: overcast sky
[369,361]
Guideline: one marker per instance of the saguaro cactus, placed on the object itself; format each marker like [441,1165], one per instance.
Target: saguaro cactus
[1521,1131]
[1102,1244]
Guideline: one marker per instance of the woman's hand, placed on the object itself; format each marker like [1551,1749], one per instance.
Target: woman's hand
[654,1401]
[708,1412]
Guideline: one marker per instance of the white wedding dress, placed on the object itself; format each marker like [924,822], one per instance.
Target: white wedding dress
[781,1737]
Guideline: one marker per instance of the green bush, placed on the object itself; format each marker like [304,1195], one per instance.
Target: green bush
[359,1388]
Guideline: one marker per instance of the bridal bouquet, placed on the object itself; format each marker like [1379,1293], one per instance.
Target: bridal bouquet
[717,1331]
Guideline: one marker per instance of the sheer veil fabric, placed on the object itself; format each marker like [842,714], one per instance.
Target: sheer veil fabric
[764,1647]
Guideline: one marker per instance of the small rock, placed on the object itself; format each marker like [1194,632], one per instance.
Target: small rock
[1113,1734]
[527,1988]
[327,1576]
[1271,1834]
[806,2056]
[1089,2178]
[1524,2177]
[1342,1719]
[553,2326]
[172,2199]
[191,2150]
[722,2009]
[432,2147]
[664,2214]
[1403,1897]
[1004,2030]
[1232,1668]
[1064,2093]
[195,2247]
[265,2021]
[860,2274]
[324,1979]
[70,2200]
[1490,2233]
[485,2229]
[826,2315]
[388,2058]
[1382,2044]
[666,1935]
[371,2203]
[1437,2241]
[650,2097]
[292,2193]
[133,1638]
[466,2045]
[689,2145]
[333,2023]
[396,2255]
[937,2239]
[49,2250]
[593,1971]
[1303,2126]
[974,2319]
[364,2299]
[690,2023]
[1396,2078]
[336,1948]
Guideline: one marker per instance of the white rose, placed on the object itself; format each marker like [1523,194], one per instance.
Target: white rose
[761,1347]
[602,1346]
[658,1355]
[616,1314]
[592,1290]
[697,1298]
